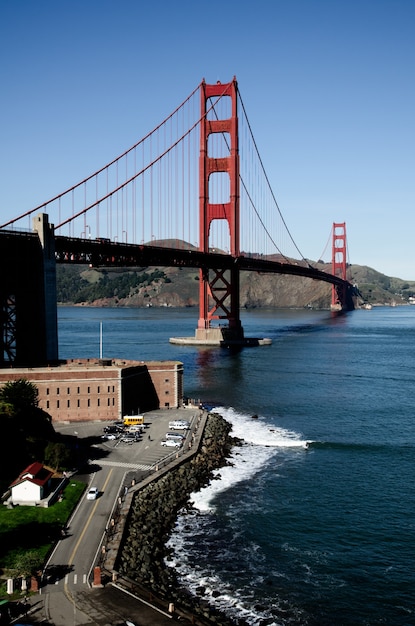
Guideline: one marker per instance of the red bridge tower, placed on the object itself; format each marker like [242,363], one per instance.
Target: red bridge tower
[219,287]
[338,292]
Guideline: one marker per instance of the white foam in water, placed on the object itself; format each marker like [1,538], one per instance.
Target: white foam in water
[262,441]
[259,432]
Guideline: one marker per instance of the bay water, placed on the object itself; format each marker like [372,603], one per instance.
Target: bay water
[313,521]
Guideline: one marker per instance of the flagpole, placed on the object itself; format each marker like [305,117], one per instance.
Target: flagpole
[100,340]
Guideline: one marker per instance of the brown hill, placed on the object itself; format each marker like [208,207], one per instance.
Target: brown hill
[179,287]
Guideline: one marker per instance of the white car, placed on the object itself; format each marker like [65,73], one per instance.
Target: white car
[92,493]
[171,443]
[179,425]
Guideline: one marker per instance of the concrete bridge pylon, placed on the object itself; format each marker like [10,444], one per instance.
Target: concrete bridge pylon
[28,311]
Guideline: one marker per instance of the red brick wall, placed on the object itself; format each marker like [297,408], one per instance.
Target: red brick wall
[83,390]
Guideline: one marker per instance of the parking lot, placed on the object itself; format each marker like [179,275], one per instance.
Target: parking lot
[138,451]
[116,467]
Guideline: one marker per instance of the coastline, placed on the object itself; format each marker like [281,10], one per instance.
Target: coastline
[152,516]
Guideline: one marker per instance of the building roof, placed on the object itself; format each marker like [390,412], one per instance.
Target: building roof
[81,364]
[35,473]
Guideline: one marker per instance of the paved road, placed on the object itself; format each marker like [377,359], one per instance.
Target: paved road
[100,607]
[66,593]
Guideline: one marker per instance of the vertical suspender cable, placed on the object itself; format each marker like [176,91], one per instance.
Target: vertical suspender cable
[152,207]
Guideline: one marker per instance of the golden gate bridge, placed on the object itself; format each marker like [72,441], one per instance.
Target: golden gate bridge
[193,192]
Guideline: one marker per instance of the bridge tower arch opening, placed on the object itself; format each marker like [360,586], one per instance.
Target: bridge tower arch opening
[219,284]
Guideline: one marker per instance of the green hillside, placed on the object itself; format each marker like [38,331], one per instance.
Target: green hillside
[179,287]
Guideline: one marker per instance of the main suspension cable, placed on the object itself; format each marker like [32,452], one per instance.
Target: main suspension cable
[269,186]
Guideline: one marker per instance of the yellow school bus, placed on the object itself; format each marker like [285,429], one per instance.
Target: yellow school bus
[133,420]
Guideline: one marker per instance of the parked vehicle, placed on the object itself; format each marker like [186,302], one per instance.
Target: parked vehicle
[136,428]
[171,443]
[110,430]
[131,420]
[175,437]
[179,425]
[130,437]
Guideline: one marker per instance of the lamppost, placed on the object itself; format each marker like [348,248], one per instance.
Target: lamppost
[84,232]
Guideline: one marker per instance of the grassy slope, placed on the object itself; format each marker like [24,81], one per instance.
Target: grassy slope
[181,288]
[35,529]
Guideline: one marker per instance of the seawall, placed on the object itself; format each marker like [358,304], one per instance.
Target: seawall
[152,513]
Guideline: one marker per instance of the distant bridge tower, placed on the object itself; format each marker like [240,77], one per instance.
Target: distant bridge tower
[219,287]
[338,292]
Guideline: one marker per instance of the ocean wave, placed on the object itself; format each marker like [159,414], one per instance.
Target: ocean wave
[197,530]
[262,442]
[258,431]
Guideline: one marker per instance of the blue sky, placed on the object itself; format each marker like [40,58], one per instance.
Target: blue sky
[328,86]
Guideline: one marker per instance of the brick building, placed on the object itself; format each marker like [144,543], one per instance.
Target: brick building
[103,389]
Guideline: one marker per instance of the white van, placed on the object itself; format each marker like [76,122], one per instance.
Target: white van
[179,425]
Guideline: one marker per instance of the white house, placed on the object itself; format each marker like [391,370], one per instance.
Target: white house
[32,485]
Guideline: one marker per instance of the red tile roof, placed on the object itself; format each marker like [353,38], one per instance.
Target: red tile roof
[35,473]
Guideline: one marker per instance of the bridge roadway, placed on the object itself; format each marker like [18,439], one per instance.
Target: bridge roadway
[104,253]
[66,595]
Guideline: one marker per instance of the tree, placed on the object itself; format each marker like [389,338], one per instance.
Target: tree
[6,409]
[26,428]
[57,455]
[21,394]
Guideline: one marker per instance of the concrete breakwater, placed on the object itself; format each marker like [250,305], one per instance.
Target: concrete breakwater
[154,511]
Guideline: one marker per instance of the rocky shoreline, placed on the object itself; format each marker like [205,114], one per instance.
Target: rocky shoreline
[154,512]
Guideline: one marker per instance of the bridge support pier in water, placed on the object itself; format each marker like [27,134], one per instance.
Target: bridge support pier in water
[219,336]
